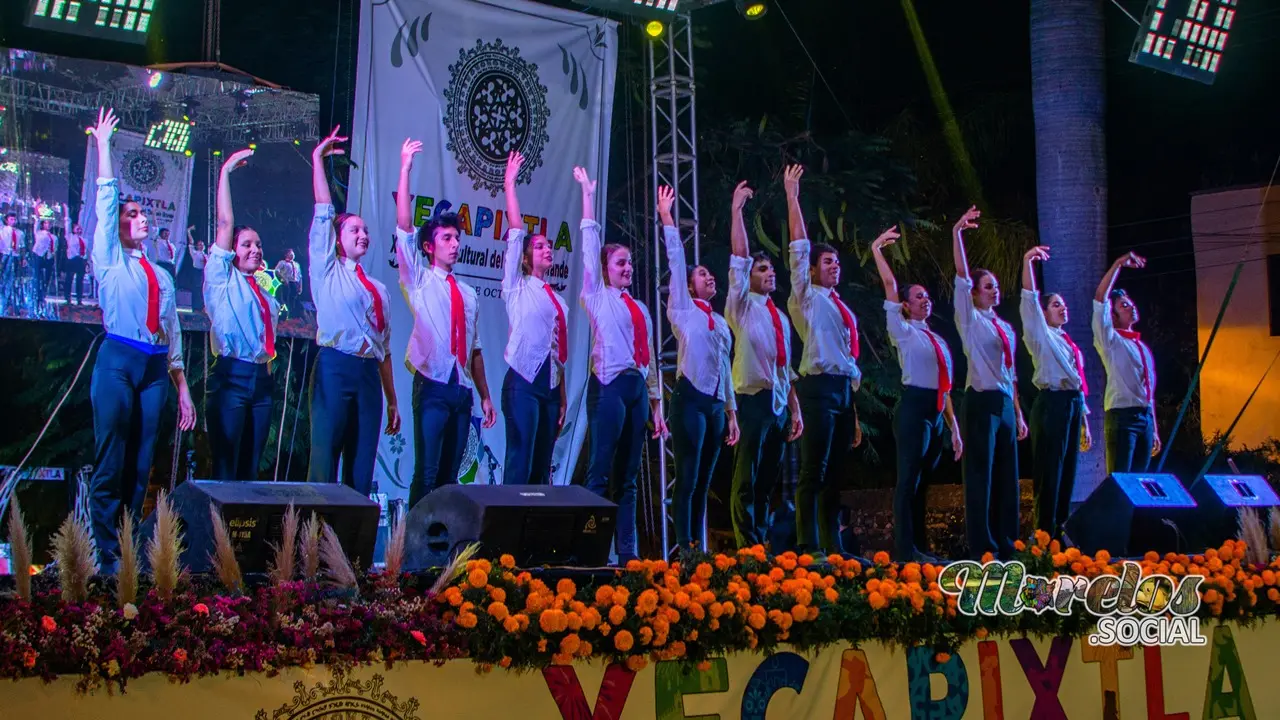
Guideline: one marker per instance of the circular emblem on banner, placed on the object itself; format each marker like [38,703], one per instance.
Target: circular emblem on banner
[495,105]
[343,698]
[143,170]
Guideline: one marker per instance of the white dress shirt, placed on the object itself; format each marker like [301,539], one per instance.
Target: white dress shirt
[916,356]
[1051,354]
[826,339]
[11,240]
[613,349]
[198,258]
[287,271]
[982,343]
[1123,359]
[165,250]
[77,247]
[426,289]
[531,316]
[235,315]
[43,246]
[755,365]
[344,307]
[702,352]
[122,283]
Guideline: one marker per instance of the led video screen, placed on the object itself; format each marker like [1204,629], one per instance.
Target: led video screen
[176,130]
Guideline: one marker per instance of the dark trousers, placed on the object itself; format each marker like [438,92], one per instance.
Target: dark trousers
[239,416]
[441,425]
[918,429]
[826,404]
[697,427]
[531,410]
[1130,433]
[1055,445]
[75,277]
[346,417]
[990,468]
[128,393]
[42,268]
[756,466]
[617,414]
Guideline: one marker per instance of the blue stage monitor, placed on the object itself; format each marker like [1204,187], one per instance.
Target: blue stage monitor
[1184,37]
[1242,490]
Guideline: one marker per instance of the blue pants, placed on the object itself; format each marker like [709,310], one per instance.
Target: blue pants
[918,431]
[128,393]
[441,425]
[531,410]
[346,418]
[697,422]
[990,469]
[1130,434]
[617,414]
[826,404]
[239,416]
[756,466]
[1055,443]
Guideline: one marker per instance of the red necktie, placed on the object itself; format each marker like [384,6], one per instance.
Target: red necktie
[379,321]
[457,323]
[1136,337]
[1079,358]
[1004,343]
[153,296]
[81,246]
[269,333]
[849,323]
[639,332]
[705,307]
[562,330]
[13,239]
[944,372]
[778,339]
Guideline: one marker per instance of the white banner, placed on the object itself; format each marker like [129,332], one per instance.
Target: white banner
[157,180]
[473,80]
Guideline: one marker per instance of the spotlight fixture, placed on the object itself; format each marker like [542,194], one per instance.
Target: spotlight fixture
[752,9]
[171,135]
[654,28]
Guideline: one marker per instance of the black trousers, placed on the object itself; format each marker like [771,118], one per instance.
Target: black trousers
[617,414]
[531,410]
[239,416]
[75,277]
[346,419]
[990,468]
[1130,434]
[128,393]
[918,429]
[757,465]
[826,404]
[1055,446]
[442,425]
[698,422]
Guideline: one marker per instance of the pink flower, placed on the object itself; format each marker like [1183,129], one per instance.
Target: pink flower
[180,655]
[201,609]
[48,623]
[417,635]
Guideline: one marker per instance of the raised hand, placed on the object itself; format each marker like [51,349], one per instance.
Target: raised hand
[326,146]
[106,124]
[407,151]
[887,238]
[1132,260]
[1039,253]
[666,198]
[588,185]
[514,162]
[791,180]
[741,195]
[968,221]
[237,159]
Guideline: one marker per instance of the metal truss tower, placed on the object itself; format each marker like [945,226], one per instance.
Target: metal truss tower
[673,127]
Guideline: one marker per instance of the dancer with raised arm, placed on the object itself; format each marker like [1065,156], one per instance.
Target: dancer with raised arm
[703,403]
[77,259]
[624,373]
[1059,415]
[924,410]
[444,349]
[143,346]
[533,394]
[829,376]
[242,330]
[992,416]
[768,408]
[1129,417]
[353,368]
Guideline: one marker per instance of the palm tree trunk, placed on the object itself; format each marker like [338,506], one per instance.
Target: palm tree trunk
[1068,95]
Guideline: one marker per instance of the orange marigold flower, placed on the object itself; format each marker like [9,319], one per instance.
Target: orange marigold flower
[569,643]
[604,594]
[876,600]
[1059,559]
[880,558]
[617,614]
[584,649]
[623,641]
[1019,545]
[636,663]
[467,620]
[756,620]
[1102,557]
[873,585]
[566,587]
[1042,538]
[511,625]
[646,635]
[1211,596]
[981,634]
[561,659]
[534,603]
[453,595]
[942,657]
[478,578]
[1036,551]
[505,662]
[704,666]
[497,594]
[634,566]
[703,571]
[799,613]
[831,595]
[620,596]
[542,645]
[498,610]
[507,561]
[573,621]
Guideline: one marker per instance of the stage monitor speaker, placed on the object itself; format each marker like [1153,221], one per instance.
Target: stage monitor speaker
[1132,513]
[565,525]
[1221,498]
[254,513]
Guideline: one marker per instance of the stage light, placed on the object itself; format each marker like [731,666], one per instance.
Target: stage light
[1184,37]
[154,81]
[752,9]
[654,28]
[124,20]
[170,135]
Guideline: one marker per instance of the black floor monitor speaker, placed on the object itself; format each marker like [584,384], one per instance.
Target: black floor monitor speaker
[1132,513]
[254,513]
[537,524]
[1221,498]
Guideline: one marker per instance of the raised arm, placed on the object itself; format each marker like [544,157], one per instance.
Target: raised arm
[319,180]
[226,217]
[321,250]
[1128,260]
[404,201]
[1041,253]
[795,218]
[515,233]
[738,228]
[592,272]
[887,238]
[966,222]
[106,235]
[1035,327]
[678,298]
[800,247]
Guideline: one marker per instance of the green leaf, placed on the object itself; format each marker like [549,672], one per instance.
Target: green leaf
[826,227]
[764,120]
[762,237]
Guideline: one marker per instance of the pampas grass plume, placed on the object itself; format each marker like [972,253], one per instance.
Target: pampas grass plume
[165,549]
[224,555]
[73,551]
[19,551]
[127,572]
